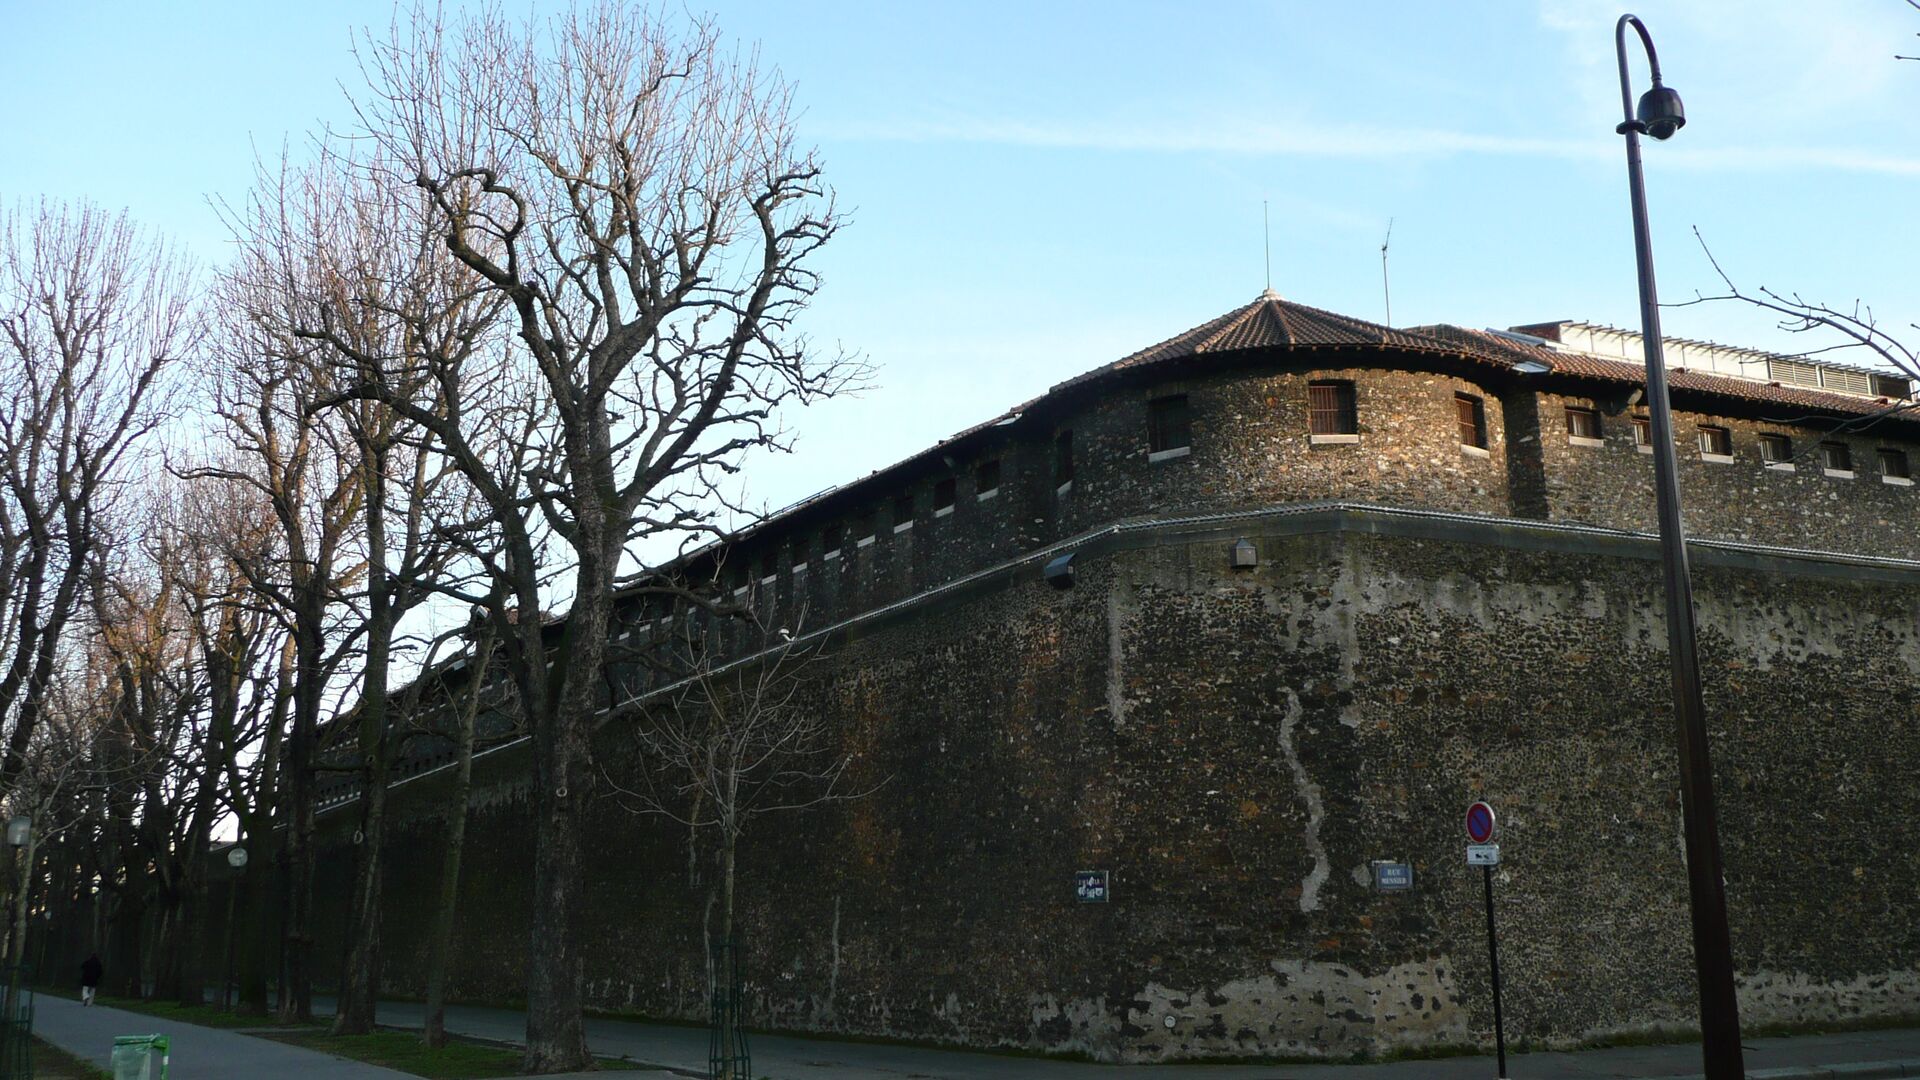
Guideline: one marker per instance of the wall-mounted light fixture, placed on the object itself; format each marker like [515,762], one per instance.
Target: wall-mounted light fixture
[1059,572]
[1244,554]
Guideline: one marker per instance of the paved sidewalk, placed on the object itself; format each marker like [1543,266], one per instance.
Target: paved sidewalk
[199,1053]
[684,1050]
[204,1053]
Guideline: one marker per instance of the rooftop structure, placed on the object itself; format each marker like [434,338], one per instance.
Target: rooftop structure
[1709,356]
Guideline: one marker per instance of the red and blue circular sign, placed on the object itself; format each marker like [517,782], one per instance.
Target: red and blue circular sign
[1480,823]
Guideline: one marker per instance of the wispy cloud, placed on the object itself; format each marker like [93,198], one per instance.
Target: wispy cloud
[1357,143]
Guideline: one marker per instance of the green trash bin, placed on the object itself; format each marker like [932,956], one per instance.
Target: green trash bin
[133,1057]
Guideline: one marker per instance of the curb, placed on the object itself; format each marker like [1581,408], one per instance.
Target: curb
[1862,1070]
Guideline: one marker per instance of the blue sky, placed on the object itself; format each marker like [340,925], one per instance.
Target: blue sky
[1040,188]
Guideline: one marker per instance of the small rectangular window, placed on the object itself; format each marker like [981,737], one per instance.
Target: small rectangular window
[1583,423]
[1836,458]
[769,566]
[799,554]
[1893,464]
[1331,409]
[830,541]
[1642,434]
[943,496]
[1715,441]
[1776,450]
[903,513]
[1471,415]
[1063,459]
[986,478]
[863,530]
[1168,425]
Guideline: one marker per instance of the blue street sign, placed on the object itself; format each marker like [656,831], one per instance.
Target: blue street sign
[1090,886]
[1392,876]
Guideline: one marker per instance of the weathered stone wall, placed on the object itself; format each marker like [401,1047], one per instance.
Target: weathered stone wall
[1235,747]
[1739,500]
[1252,447]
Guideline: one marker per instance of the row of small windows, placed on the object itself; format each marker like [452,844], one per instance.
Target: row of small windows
[1332,413]
[1715,443]
[900,516]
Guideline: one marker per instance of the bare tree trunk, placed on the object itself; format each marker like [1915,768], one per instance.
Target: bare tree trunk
[556,1031]
[730,1016]
[263,869]
[256,949]
[223,706]
[296,991]
[360,973]
[440,949]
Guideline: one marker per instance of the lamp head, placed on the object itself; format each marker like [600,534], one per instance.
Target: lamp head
[1661,113]
[19,830]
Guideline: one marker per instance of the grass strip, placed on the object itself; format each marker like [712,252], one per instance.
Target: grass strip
[403,1050]
[52,1063]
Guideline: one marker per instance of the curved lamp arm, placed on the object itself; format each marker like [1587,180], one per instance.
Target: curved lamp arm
[1626,83]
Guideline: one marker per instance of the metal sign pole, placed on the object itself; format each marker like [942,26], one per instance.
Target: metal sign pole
[1493,960]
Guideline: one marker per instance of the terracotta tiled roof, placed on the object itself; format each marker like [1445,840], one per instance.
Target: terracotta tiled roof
[1271,322]
[1585,365]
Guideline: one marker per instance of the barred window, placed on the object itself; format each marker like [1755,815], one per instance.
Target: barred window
[830,540]
[943,496]
[1642,432]
[1717,441]
[1776,449]
[1168,425]
[903,513]
[1471,414]
[1583,423]
[1836,457]
[1331,409]
[986,478]
[1894,463]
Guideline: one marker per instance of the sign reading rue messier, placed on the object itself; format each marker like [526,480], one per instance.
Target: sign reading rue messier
[1090,886]
[1392,876]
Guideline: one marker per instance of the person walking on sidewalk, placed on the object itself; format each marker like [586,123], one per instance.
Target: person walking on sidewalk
[90,972]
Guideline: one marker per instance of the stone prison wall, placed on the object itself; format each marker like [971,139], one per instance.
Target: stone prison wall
[1235,747]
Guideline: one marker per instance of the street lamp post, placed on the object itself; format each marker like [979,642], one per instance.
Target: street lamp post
[20,837]
[1660,115]
[236,858]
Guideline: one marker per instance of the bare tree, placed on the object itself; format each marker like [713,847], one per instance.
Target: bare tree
[634,193]
[484,630]
[729,741]
[92,314]
[303,466]
[357,275]
[1853,330]
[219,529]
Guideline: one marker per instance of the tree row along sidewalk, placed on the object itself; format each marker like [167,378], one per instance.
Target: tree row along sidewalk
[486,356]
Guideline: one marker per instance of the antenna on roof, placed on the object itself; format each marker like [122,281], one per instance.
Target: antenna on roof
[1266,229]
[1385,287]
